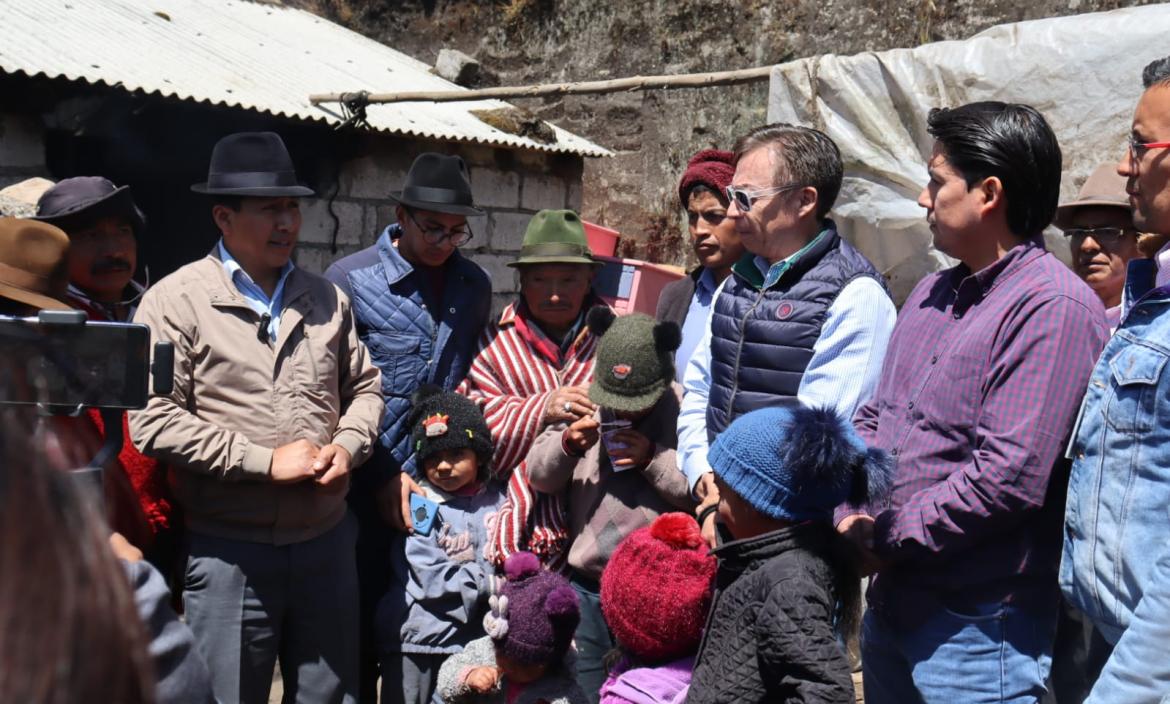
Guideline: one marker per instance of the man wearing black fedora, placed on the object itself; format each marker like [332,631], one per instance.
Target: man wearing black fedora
[275,399]
[420,307]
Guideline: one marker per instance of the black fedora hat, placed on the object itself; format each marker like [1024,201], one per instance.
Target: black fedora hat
[437,183]
[251,164]
[75,201]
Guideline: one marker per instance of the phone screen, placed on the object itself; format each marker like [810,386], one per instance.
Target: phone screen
[97,364]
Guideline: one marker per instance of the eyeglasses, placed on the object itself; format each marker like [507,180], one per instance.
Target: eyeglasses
[1137,149]
[458,237]
[1101,235]
[743,198]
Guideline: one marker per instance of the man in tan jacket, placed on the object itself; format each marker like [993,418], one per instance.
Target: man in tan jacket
[275,400]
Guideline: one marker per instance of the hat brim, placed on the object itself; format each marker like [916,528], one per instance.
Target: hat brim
[117,202]
[554,259]
[629,404]
[1065,212]
[447,208]
[32,298]
[257,192]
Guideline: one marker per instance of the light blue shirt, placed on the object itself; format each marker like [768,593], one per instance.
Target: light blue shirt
[842,373]
[695,324]
[253,295]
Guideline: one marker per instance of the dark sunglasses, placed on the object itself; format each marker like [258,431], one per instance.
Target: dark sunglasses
[1102,235]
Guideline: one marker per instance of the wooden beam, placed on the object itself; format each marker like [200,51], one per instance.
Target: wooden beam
[616,85]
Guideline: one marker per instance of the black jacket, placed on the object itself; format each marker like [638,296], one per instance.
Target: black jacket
[769,635]
[675,298]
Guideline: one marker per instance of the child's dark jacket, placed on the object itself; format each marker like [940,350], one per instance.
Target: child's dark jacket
[770,636]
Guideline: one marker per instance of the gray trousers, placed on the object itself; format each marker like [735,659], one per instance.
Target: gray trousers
[410,678]
[250,604]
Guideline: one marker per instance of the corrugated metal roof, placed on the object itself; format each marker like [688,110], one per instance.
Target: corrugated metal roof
[242,54]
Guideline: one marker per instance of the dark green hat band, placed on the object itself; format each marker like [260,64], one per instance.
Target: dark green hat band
[555,249]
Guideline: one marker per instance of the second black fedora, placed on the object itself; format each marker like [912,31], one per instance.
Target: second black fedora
[437,183]
[251,164]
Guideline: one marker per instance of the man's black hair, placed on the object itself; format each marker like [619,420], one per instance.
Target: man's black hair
[1011,142]
[230,202]
[700,187]
[1156,73]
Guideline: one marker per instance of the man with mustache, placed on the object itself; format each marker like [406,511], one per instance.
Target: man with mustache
[803,317]
[104,226]
[274,401]
[1116,564]
[977,398]
[1102,239]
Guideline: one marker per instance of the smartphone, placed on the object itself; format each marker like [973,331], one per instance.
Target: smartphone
[424,513]
[95,364]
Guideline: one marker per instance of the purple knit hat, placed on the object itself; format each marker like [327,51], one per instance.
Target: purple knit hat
[534,617]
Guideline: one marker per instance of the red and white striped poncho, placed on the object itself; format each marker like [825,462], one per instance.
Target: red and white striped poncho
[514,373]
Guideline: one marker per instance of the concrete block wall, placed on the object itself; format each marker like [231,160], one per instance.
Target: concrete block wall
[509,186]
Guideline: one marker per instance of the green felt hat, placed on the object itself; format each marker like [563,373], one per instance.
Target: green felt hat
[634,359]
[555,237]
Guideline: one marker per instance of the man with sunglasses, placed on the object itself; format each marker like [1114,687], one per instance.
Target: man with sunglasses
[420,307]
[803,317]
[1102,239]
[1116,564]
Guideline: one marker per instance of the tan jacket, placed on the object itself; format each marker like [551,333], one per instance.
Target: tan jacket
[237,398]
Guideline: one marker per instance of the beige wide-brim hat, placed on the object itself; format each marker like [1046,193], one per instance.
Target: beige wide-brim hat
[1104,188]
[33,266]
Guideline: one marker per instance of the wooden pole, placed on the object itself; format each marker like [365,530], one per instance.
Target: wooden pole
[633,83]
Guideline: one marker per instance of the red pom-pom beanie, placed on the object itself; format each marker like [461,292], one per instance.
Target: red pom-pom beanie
[712,168]
[656,589]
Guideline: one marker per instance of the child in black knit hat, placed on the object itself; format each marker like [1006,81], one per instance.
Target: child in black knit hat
[441,581]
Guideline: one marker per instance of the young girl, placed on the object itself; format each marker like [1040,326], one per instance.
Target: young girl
[787,588]
[527,656]
[441,581]
[655,593]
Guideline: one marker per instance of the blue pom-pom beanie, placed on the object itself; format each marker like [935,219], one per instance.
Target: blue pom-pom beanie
[798,463]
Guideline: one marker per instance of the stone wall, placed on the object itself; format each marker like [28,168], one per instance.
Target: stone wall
[509,186]
[653,133]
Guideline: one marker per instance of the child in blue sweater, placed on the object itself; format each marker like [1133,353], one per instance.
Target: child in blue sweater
[441,581]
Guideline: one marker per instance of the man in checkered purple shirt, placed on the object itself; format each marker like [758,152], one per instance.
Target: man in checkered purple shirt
[980,387]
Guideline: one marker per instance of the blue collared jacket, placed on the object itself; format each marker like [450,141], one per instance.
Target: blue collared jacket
[1116,562]
[406,342]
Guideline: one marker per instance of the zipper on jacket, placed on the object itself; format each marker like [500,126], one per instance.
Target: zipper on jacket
[739,353]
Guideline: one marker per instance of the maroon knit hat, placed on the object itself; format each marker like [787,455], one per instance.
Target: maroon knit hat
[712,168]
[534,617]
[656,589]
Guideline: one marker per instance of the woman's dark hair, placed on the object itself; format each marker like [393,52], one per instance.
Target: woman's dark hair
[704,188]
[843,559]
[1012,143]
[69,630]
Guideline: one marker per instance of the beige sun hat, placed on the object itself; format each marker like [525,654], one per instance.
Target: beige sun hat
[1104,187]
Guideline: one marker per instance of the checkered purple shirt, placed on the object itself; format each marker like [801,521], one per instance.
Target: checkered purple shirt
[981,385]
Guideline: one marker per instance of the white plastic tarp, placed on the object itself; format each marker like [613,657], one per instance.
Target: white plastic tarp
[1082,72]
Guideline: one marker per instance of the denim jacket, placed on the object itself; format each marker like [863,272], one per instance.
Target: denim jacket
[1116,562]
[411,346]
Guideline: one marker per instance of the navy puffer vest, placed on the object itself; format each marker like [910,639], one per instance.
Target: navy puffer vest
[762,339]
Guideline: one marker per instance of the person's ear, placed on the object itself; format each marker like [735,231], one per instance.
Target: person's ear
[808,202]
[991,192]
[222,216]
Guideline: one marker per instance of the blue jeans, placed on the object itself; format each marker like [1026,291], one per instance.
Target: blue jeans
[990,653]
